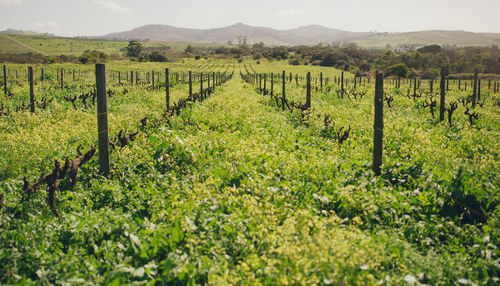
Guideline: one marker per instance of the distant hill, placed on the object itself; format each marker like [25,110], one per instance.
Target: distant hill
[306,35]
[21,32]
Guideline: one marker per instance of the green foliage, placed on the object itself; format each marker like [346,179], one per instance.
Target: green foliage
[157,56]
[398,70]
[236,191]
[134,48]
[93,57]
[433,49]
[189,49]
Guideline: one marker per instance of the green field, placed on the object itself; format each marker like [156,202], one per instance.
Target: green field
[234,190]
[55,46]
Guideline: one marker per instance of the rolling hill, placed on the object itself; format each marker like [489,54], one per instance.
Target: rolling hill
[305,35]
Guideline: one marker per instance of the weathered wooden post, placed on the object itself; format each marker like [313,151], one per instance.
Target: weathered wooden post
[442,87]
[459,84]
[474,92]
[120,78]
[190,85]
[214,82]
[342,84]
[102,119]
[201,86]
[32,92]
[208,84]
[265,84]
[308,94]
[478,90]
[42,75]
[4,79]
[283,93]
[167,89]
[153,79]
[272,84]
[132,78]
[321,80]
[62,78]
[378,124]
[74,75]
[415,88]
[431,83]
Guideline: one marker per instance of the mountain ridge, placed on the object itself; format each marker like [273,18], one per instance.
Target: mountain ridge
[303,35]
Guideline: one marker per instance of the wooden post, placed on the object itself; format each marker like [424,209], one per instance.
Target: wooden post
[478,89]
[32,92]
[265,83]
[201,86]
[190,85]
[208,84]
[459,85]
[131,78]
[102,118]
[342,84]
[378,124]
[4,79]
[214,82]
[474,91]
[321,80]
[442,88]
[73,74]
[308,94]
[283,94]
[153,79]
[431,85]
[415,88]
[41,76]
[62,78]
[272,83]
[167,89]
[120,78]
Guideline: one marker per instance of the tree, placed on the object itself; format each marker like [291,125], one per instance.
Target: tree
[398,69]
[433,49]
[157,56]
[134,48]
[189,49]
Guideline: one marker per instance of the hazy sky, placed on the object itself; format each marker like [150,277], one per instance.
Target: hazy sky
[99,17]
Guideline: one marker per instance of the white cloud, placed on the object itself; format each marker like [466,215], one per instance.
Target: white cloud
[292,12]
[11,2]
[49,26]
[110,6]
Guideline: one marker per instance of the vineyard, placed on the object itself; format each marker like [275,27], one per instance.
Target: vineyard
[230,172]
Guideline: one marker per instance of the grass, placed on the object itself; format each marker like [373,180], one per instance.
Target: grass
[73,46]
